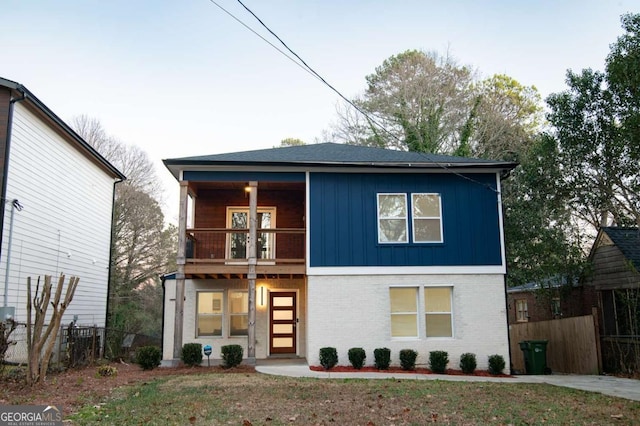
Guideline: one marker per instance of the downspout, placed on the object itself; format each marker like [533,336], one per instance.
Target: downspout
[111,250]
[5,174]
[164,294]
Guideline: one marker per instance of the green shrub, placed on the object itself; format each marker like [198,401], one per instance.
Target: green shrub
[438,361]
[231,355]
[357,357]
[382,358]
[107,371]
[148,357]
[496,364]
[328,357]
[191,354]
[408,359]
[468,363]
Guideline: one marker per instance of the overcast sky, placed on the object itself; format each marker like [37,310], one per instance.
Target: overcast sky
[182,77]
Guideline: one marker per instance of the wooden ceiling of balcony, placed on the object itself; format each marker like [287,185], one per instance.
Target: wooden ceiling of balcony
[271,186]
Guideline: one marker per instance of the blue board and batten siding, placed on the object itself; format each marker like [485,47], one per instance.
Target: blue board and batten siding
[343,220]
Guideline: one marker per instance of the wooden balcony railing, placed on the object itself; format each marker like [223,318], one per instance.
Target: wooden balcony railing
[224,246]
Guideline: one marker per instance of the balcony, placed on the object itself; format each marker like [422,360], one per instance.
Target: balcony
[222,253]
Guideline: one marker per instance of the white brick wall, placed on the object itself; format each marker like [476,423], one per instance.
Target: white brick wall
[353,311]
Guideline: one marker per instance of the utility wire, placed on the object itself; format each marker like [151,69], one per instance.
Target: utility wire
[303,64]
[265,40]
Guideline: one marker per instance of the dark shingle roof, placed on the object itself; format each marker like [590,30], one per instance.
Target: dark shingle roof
[338,155]
[628,241]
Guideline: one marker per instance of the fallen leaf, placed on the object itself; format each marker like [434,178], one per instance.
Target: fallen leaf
[617,416]
[247,423]
[192,420]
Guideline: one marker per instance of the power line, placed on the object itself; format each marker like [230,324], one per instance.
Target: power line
[303,64]
[264,39]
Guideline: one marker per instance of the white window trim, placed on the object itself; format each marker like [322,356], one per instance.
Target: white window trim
[526,311]
[231,314]
[222,315]
[453,325]
[406,217]
[245,209]
[413,219]
[416,313]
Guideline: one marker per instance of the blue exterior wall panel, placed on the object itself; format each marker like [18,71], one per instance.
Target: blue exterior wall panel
[343,220]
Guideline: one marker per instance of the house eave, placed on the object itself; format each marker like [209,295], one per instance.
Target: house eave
[19,91]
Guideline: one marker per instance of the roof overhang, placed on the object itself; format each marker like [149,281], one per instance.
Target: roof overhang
[18,91]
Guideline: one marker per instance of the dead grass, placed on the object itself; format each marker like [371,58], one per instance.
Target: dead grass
[212,396]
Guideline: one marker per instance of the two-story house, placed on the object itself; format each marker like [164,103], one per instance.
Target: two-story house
[56,211]
[288,250]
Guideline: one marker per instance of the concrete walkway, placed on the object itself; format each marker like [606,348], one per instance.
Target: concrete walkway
[608,385]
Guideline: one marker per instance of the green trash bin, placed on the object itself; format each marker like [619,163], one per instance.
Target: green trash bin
[535,356]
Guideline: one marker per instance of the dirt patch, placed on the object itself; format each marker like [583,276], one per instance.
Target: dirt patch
[370,369]
[74,388]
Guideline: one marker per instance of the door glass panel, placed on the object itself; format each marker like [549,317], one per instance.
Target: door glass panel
[282,328]
[282,315]
[282,342]
[282,301]
[238,243]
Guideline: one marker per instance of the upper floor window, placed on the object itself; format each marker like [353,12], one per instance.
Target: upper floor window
[427,218]
[522,310]
[393,218]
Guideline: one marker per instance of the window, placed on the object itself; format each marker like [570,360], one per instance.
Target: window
[209,316]
[392,218]
[238,313]
[522,311]
[237,242]
[437,308]
[404,312]
[427,218]
[555,307]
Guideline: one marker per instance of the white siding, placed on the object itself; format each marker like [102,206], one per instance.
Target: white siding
[65,226]
[353,311]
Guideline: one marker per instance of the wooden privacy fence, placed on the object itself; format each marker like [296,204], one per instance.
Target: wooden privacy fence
[573,346]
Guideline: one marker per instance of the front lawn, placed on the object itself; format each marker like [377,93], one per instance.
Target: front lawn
[256,399]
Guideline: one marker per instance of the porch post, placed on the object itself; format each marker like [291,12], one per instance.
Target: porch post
[180,261]
[251,276]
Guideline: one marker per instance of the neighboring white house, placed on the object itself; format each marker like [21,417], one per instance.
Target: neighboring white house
[57,210]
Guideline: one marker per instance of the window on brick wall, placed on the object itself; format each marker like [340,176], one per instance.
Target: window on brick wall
[437,307]
[522,310]
[210,312]
[238,313]
[404,311]
[556,312]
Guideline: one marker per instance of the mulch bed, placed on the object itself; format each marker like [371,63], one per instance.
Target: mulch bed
[371,369]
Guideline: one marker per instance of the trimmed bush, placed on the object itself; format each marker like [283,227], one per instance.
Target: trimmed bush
[357,357]
[328,357]
[148,357]
[382,358]
[191,354]
[496,364]
[468,363]
[408,359]
[231,355]
[438,361]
